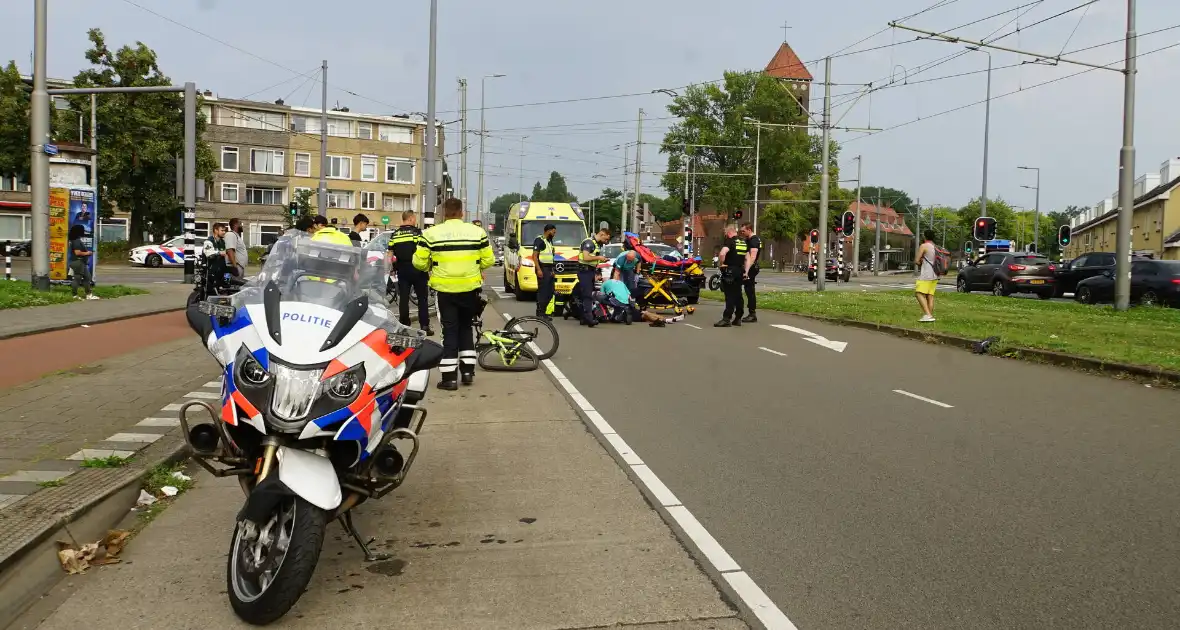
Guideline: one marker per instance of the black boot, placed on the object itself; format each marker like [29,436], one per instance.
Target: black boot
[448,382]
[467,377]
[751,318]
[737,321]
[724,323]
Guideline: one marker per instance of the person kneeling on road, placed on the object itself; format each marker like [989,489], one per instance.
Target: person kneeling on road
[617,296]
[733,266]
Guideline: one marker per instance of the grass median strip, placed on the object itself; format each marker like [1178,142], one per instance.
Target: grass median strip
[1145,336]
[20,294]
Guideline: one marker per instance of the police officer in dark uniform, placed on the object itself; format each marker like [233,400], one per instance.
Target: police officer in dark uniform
[543,264]
[589,255]
[403,243]
[753,246]
[733,265]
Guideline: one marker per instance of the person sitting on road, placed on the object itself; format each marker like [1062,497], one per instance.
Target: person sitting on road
[617,296]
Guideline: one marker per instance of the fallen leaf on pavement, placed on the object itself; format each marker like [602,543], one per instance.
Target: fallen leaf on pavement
[106,551]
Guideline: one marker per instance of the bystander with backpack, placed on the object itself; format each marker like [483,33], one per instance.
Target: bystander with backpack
[930,266]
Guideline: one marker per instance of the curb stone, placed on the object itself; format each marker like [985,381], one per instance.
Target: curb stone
[90,322]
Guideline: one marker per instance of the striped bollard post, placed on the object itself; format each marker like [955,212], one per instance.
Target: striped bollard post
[7,262]
[839,254]
[687,238]
[190,258]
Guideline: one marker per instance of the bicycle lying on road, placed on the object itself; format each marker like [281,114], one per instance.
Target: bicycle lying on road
[519,347]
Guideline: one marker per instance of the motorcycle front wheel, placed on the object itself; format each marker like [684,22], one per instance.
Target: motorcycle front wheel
[270,566]
[715,282]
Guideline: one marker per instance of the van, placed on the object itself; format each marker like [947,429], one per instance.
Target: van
[525,222]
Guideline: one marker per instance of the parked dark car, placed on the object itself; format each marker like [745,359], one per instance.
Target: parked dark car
[1084,266]
[1153,283]
[19,248]
[1005,273]
[831,273]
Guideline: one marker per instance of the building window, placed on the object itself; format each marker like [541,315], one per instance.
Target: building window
[339,167]
[364,131]
[16,227]
[368,169]
[399,171]
[368,200]
[229,192]
[229,158]
[390,133]
[340,199]
[395,203]
[340,128]
[201,229]
[303,165]
[266,161]
[251,119]
[265,234]
[305,124]
[299,189]
[264,196]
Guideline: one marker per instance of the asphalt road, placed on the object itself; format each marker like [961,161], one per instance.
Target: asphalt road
[986,493]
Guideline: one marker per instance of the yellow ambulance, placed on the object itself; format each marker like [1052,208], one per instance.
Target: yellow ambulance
[525,222]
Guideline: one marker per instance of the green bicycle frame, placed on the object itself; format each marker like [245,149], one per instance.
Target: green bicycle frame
[509,349]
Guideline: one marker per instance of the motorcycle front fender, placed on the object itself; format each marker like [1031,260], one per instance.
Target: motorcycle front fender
[301,474]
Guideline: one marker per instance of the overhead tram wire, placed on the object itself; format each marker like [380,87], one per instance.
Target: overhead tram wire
[271,87]
[1013,92]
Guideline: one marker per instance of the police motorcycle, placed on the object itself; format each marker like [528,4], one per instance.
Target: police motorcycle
[211,276]
[320,410]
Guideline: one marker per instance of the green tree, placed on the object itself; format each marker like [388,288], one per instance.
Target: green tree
[501,205]
[14,124]
[607,207]
[662,209]
[139,135]
[899,200]
[556,191]
[713,115]
[538,192]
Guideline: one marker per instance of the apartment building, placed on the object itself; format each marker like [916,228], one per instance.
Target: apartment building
[268,152]
[1155,224]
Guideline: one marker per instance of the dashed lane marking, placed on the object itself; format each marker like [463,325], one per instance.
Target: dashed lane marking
[923,399]
[693,326]
[781,354]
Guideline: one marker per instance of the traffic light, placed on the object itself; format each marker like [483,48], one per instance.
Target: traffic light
[848,221]
[1063,235]
[685,208]
[967,248]
[294,208]
[985,229]
[737,215]
[815,236]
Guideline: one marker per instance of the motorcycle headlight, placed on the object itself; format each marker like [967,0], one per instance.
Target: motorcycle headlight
[345,386]
[252,372]
[294,392]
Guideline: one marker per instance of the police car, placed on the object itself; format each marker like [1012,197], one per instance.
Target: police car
[170,253]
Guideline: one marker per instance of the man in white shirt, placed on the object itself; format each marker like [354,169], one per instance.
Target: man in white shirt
[235,247]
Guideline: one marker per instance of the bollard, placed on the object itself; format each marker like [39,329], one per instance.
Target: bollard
[7,262]
[839,255]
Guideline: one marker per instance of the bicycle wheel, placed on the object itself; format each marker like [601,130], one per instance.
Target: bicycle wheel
[492,360]
[544,334]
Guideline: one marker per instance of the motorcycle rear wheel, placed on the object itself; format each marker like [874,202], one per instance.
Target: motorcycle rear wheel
[262,592]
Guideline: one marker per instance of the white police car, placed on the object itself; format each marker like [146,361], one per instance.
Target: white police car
[170,253]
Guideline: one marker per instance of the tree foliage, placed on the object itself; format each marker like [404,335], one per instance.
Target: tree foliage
[556,191]
[14,124]
[714,115]
[501,205]
[304,201]
[139,135]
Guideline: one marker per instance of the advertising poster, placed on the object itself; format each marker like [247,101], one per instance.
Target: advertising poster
[84,212]
[59,217]
[69,207]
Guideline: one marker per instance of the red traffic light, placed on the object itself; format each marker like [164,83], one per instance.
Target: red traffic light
[982,223]
[815,236]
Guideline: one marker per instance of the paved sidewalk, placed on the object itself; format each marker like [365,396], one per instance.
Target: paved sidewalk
[513,517]
[16,322]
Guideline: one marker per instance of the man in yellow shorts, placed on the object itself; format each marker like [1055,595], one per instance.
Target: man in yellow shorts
[927,277]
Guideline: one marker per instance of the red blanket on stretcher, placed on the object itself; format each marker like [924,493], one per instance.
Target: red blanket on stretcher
[648,257]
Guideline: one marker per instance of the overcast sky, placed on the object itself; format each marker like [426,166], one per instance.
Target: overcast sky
[377,50]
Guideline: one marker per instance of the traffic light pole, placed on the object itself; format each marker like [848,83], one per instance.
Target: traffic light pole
[821,269]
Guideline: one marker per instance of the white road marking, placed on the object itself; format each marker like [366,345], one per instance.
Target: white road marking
[923,398]
[805,333]
[781,354]
[171,407]
[745,588]
[158,422]
[204,395]
[213,384]
[763,608]
[838,346]
[145,438]
[692,326]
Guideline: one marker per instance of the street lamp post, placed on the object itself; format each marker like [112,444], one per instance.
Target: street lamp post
[520,193]
[1037,207]
[483,132]
[987,122]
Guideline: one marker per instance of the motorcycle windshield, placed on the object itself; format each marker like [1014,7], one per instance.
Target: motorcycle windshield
[319,272]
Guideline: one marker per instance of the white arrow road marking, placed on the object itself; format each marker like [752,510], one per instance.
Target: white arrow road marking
[818,340]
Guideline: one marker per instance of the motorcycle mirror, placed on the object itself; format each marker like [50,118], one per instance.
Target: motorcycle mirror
[427,357]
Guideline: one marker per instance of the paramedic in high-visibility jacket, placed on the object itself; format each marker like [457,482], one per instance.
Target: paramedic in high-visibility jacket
[455,253]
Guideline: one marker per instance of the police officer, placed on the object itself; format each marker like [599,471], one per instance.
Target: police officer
[733,265]
[403,243]
[753,246]
[455,253]
[328,233]
[589,255]
[543,263]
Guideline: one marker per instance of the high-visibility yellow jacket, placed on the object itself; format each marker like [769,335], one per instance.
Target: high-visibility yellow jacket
[455,253]
[332,235]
